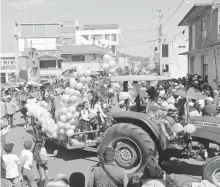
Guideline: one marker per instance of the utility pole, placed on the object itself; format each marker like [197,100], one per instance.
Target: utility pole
[159,40]
[16,45]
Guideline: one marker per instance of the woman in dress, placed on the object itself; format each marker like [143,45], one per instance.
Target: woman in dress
[96,106]
[158,114]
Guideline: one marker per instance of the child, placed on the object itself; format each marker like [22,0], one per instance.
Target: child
[24,112]
[11,164]
[10,109]
[26,161]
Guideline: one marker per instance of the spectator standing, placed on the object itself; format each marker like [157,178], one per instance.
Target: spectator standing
[108,174]
[4,181]
[26,162]
[10,108]
[24,112]
[11,164]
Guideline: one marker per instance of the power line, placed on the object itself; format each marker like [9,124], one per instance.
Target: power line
[136,30]
[149,41]
[174,12]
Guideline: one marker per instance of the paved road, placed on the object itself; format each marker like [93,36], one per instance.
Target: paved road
[81,161]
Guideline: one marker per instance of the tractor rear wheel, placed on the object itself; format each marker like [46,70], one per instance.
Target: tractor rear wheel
[211,171]
[133,147]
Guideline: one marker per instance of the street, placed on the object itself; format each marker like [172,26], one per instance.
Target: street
[183,172]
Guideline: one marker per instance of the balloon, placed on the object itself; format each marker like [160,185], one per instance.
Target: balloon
[63,110]
[177,128]
[76,115]
[106,58]
[105,66]
[70,133]
[69,116]
[67,125]
[65,98]
[77,93]
[112,63]
[67,90]
[72,122]
[79,86]
[123,96]
[80,73]
[73,127]
[112,70]
[63,118]
[82,79]
[72,91]
[133,94]
[190,128]
[49,135]
[73,83]
[60,124]
[54,135]
[73,98]
[75,75]
[62,131]
[72,109]
[87,73]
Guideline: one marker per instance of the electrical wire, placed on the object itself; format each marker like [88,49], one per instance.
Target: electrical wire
[136,30]
[174,13]
[149,41]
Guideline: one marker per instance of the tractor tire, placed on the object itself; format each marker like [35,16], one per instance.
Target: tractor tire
[133,146]
[211,171]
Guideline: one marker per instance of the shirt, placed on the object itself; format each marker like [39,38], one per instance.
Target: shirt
[10,107]
[11,165]
[99,178]
[43,155]
[26,159]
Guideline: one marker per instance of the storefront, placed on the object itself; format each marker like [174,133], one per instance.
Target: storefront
[8,68]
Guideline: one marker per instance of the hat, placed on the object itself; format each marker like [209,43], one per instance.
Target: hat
[8,147]
[8,97]
[210,99]
[27,144]
[216,92]
[191,104]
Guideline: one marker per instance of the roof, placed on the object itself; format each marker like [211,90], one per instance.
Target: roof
[49,57]
[100,26]
[195,13]
[201,50]
[140,78]
[83,49]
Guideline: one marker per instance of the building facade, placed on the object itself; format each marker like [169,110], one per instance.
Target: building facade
[203,21]
[8,67]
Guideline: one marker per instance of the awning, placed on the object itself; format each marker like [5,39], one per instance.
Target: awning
[195,13]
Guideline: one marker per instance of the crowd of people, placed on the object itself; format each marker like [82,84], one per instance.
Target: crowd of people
[158,100]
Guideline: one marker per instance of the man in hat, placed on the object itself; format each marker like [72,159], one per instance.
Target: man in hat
[10,108]
[26,162]
[11,164]
[210,109]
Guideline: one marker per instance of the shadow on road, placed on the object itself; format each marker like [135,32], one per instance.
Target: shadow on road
[20,125]
[29,132]
[182,167]
[67,155]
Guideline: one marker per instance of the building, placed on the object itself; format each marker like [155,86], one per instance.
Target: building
[86,56]
[103,35]
[8,67]
[203,21]
[69,46]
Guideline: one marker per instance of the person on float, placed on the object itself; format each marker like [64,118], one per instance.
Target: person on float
[96,106]
[158,114]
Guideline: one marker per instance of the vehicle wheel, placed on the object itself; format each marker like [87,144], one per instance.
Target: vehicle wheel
[133,147]
[211,171]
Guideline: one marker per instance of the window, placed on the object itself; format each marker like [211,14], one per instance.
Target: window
[165,50]
[45,64]
[203,26]
[107,37]
[192,65]
[78,58]
[114,37]
[204,66]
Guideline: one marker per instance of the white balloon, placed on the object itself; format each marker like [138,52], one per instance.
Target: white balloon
[87,73]
[106,58]
[112,63]
[70,133]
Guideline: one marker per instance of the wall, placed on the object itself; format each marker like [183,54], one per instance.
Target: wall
[211,27]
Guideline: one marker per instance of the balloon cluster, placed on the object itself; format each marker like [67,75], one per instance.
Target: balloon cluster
[67,115]
[109,64]
[39,112]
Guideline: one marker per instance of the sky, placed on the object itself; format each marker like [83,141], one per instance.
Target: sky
[130,15]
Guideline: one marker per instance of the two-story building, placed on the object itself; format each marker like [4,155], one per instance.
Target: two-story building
[203,21]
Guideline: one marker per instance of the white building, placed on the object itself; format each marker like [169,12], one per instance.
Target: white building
[8,66]
[105,36]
